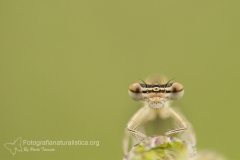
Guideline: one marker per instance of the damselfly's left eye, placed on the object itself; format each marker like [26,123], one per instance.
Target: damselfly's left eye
[177,91]
[135,91]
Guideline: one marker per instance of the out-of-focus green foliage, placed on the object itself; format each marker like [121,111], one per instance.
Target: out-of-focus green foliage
[159,148]
[162,148]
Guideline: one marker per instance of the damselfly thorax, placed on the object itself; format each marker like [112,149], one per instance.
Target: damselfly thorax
[157,93]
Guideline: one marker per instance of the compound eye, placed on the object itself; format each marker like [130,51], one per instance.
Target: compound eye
[135,91]
[177,91]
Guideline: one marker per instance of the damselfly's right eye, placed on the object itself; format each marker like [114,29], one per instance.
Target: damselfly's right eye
[135,91]
[177,91]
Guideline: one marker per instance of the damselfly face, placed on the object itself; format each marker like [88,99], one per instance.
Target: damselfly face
[156,94]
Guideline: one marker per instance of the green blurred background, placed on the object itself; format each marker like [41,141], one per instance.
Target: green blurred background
[65,67]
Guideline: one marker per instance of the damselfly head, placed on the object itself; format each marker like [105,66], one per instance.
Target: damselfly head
[156,94]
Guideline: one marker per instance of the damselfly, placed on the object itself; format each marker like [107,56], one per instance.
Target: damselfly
[157,93]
